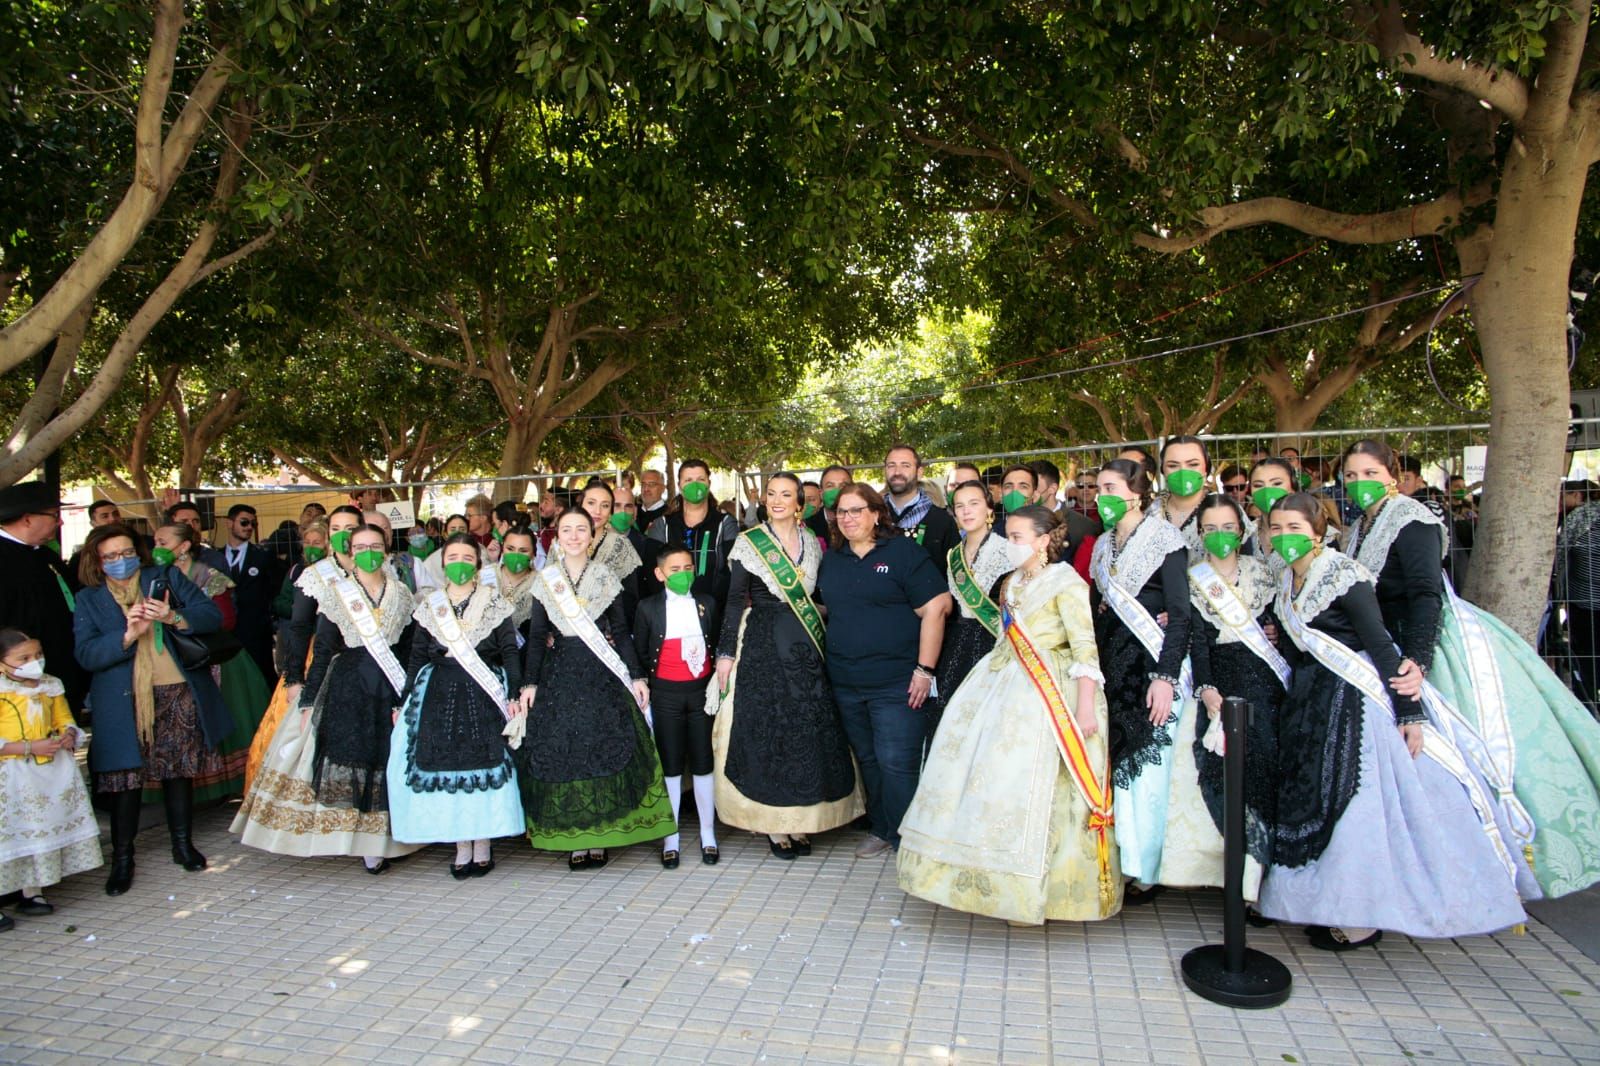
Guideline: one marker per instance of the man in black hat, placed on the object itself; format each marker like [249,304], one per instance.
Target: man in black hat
[35,595]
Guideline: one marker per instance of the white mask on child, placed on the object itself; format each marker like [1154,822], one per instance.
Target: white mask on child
[32,671]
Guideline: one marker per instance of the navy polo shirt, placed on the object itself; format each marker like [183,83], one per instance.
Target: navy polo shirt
[873,629]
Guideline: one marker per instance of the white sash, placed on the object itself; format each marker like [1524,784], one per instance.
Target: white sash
[555,579]
[1230,609]
[355,604]
[1138,620]
[1438,733]
[449,631]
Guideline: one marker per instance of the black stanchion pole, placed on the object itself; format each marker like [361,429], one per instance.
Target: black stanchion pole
[1231,973]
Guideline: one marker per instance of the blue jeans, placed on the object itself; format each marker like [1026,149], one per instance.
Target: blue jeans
[887,736]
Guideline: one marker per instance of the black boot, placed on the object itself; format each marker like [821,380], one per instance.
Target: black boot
[178,792]
[124,810]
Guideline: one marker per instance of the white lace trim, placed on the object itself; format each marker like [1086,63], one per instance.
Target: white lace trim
[1372,550]
[486,609]
[393,610]
[993,563]
[1330,576]
[745,553]
[597,587]
[1148,547]
[519,596]
[48,686]
[1256,587]
[617,553]
[1077,670]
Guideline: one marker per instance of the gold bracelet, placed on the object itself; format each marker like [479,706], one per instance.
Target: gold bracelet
[27,748]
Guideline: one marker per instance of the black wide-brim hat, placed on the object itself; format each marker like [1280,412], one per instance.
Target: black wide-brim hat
[29,497]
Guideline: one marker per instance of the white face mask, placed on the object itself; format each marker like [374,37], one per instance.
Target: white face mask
[1019,553]
[32,671]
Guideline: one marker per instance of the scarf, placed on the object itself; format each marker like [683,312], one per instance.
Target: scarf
[144,665]
[915,511]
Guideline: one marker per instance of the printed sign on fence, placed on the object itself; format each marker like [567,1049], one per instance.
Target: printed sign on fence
[1474,457]
[399,514]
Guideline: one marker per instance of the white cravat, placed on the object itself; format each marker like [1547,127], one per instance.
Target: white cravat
[683,623]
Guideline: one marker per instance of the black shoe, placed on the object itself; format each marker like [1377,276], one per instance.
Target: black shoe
[34,906]
[481,869]
[597,861]
[709,854]
[802,845]
[1257,919]
[11,899]
[578,860]
[381,868]
[783,849]
[1132,897]
[669,860]
[462,872]
[7,923]
[178,795]
[124,809]
[1332,939]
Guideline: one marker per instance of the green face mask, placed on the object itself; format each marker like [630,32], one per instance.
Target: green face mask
[1459,494]
[1365,493]
[1292,546]
[515,562]
[1185,482]
[499,536]
[1111,509]
[461,572]
[370,560]
[1265,498]
[1012,500]
[830,497]
[1221,543]
[810,510]
[420,548]
[621,521]
[696,491]
[681,582]
[315,555]
[1305,480]
[340,541]
[163,556]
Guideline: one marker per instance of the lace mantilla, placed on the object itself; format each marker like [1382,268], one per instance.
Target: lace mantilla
[520,596]
[1330,576]
[1140,558]
[485,610]
[393,609]
[745,553]
[1371,548]
[993,563]
[1256,588]
[597,586]
[617,553]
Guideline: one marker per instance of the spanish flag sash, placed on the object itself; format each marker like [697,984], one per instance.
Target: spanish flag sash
[788,579]
[1069,740]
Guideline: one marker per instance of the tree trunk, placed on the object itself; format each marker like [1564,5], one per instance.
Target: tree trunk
[1520,310]
[524,438]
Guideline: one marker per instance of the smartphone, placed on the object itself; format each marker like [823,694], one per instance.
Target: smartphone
[160,587]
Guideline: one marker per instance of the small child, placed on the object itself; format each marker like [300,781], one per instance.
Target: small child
[47,828]
[673,634]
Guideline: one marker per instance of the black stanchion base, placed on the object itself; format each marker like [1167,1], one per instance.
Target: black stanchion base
[1264,981]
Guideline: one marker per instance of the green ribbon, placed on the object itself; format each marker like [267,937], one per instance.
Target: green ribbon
[978,601]
[788,578]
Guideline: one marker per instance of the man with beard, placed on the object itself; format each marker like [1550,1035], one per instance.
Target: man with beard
[913,510]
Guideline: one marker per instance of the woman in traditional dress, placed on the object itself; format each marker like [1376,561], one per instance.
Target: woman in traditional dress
[322,789]
[244,690]
[611,546]
[1271,480]
[1185,466]
[1380,824]
[451,777]
[1537,738]
[783,763]
[47,829]
[1141,572]
[975,567]
[514,575]
[588,770]
[1012,818]
[153,717]
[1233,653]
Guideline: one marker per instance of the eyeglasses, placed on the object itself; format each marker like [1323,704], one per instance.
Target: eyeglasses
[850,512]
[1242,486]
[111,557]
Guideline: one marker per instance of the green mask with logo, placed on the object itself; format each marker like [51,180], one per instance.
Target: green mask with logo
[1111,508]
[1221,543]
[315,555]
[1012,500]
[1292,546]
[515,562]
[681,582]
[1265,498]
[1185,482]
[810,510]
[621,521]
[340,541]
[163,556]
[696,491]
[1365,493]
[459,573]
[830,497]
[370,560]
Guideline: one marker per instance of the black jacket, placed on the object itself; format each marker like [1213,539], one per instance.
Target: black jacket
[650,628]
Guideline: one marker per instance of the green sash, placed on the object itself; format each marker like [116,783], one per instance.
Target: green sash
[976,599]
[788,578]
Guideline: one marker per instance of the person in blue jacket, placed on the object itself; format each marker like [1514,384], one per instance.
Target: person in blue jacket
[153,718]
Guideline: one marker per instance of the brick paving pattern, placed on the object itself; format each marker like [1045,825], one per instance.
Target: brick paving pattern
[265,959]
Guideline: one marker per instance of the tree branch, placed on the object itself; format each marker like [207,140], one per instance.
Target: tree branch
[1506,92]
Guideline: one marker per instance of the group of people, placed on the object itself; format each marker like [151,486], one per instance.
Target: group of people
[1016,695]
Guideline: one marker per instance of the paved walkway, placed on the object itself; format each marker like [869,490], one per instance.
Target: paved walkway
[824,960]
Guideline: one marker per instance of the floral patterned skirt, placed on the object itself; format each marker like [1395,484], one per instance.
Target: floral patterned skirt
[176,750]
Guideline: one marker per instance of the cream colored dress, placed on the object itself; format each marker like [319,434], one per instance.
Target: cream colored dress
[998,827]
